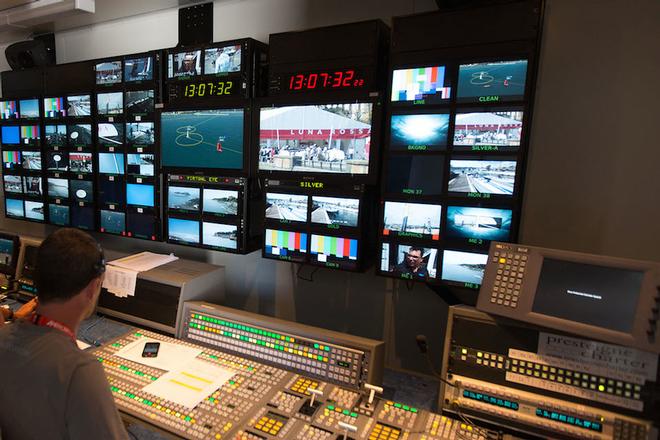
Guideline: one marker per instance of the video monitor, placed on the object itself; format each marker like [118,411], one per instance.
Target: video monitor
[482,176]
[472,223]
[139,69]
[58,214]
[29,108]
[30,135]
[8,110]
[202,139]
[410,262]
[14,208]
[54,107]
[57,161]
[140,102]
[11,135]
[418,220]
[183,198]
[55,135]
[32,185]
[140,133]
[111,163]
[113,222]
[11,160]
[421,85]
[140,164]
[81,162]
[82,190]
[111,134]
[79,105]
[108,72]
[12,184]
[497,81]
[9,247]
[34,210]
[286,245]
[220,236]
[110,104]
[80,135]
[184,64]
[58,188]
[32,160]
[415,174]
[112,192]
[222,59]
[183,231]
[82,217]
[140,195]
[338,252]
[220,201]
[335,211]
[419,132]
[500,129]
[286,207]
[142,226]
[463,267]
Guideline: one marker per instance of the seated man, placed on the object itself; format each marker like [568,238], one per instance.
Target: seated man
[50,388]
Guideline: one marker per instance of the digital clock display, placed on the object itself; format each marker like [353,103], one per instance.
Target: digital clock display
[210,89]
[325,80]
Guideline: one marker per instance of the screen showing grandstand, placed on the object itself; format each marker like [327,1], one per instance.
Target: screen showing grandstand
[421,85]
[492,82]
[472,223]
[286,207]
[488,131]
[416,220]
[139,69]
[222,59]
[184,64]
[330,138]
[420,132]
[13,184]
[202,139]
[79,105]
[482,176]
[108,72]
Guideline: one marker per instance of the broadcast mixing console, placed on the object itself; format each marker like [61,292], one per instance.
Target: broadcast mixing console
[264,401]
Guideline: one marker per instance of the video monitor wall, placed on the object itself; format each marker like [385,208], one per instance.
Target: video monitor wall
[454,151]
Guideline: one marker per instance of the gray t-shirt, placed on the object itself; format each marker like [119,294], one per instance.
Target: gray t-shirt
[49,388]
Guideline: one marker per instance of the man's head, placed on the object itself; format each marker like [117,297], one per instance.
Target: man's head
[69,262]
[414,257]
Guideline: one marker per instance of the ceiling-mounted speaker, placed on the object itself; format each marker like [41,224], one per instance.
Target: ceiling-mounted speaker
[39,52]
[196,24]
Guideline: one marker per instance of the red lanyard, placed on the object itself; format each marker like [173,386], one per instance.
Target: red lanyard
[42,321]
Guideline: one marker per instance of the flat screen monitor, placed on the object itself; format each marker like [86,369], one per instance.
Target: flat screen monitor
[495,81]
[139,69]
[139,102]
[286,207]
[183,231]
[11,160]
[58,188]
[488,130]
[419,132]
[328,138]
[203,139]
[478,224]
[81,163]
[111,134]
[80,135]
[463,267]
[29,108]
[183,198]
[412,262]
[79,105]
[335,211]
[220,236]
[140,133]
[110,104]
[82,217]
[54,107]
[337,252]
[14,208]
[55,135]
[8,110]
[57,161]
[34,210]
[286,245]
[58,214]
[11,135]
[111,163]
[218,60]
[32,160]
[142,226]
[415,174]
[112,192]
[32,185]
[82,190]
[184,64]
[30,135]
[113,222]
[418,220]
[421,85]
[496,177]
[219,202]
[108,72]
[9,246]
[12,184]
[140,195]
[141,164]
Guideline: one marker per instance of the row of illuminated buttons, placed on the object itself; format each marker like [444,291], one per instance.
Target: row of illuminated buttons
[108,363]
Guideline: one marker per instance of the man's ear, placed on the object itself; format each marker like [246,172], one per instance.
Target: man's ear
[92,287]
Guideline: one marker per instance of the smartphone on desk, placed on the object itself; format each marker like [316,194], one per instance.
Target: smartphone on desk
[150,349]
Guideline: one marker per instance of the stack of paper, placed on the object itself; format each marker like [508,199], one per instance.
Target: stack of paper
[121,275]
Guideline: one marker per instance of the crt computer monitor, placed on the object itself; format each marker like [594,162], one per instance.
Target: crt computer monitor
[9,247]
